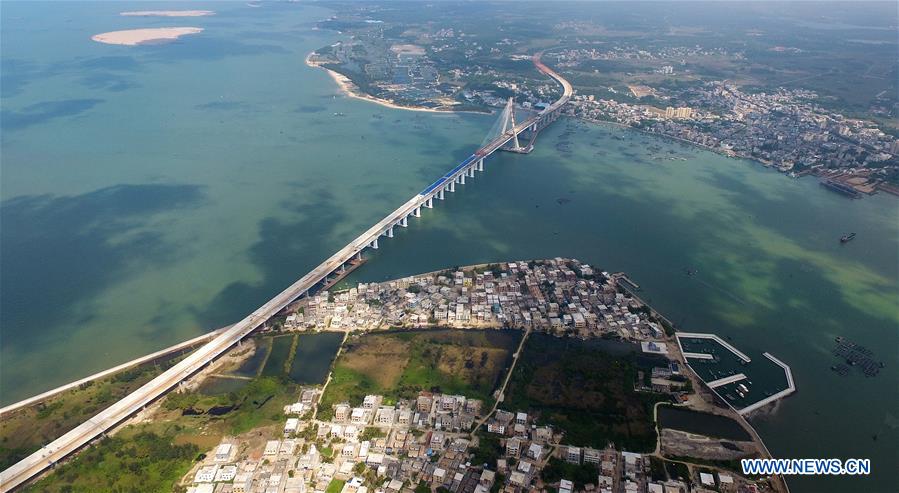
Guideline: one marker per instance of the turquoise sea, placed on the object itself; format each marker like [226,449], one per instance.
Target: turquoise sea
[151,193]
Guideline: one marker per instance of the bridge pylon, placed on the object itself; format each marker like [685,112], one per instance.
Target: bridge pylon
[508,125]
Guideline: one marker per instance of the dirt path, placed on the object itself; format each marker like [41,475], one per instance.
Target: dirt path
[502,389]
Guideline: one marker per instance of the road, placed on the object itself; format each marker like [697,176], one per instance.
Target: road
[107,419]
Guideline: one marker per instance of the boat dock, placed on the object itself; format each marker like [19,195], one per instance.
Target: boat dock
[696,335]
[791,387]
[697,355]
[726,380]
[723,384]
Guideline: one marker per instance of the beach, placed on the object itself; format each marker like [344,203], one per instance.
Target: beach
[134,37]
[350,89]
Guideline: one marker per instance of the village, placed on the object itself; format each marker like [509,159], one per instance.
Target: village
[427,444]
[443,442]
[559,296]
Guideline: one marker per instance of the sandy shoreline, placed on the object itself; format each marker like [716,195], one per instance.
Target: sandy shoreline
[134,37]
[350,89]
[167,13]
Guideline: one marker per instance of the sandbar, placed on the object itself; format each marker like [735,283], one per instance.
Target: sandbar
[168,13]
[133,37]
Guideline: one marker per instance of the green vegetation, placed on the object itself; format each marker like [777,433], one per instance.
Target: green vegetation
[134,460]
[580,474]
[488,450]
[258,404]
[585,391]
[370,433]
[657,469]
[402,364]
[26,430]
[335,486]
[677,470]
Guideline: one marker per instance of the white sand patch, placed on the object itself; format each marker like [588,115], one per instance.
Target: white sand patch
[133,37]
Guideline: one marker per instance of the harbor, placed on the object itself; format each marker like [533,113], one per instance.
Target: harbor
[743,384]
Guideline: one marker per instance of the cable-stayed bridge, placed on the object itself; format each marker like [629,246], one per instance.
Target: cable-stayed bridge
[507,139]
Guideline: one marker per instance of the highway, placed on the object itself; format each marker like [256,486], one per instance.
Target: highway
[107,419]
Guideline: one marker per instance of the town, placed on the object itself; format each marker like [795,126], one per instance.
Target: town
[785,130]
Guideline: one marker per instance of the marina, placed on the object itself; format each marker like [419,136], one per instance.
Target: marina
[730,373]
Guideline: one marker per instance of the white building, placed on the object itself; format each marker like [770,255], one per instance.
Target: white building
[272,447]
[206,474]
[226,473]
[223,452]
[291,426]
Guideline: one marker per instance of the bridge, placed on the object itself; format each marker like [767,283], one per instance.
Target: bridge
[117,413]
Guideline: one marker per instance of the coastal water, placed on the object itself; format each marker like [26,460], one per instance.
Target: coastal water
[152,193]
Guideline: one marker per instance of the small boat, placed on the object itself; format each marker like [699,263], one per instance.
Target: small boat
[847,238]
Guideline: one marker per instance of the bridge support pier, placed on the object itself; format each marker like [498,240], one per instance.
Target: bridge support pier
[429,203]
[452,186]
[440,194]
[374,244]
[390,232]
[358,257]
[404,222]
[471,172]
[417,212]
[462,177]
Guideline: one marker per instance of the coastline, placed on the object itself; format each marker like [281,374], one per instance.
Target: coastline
[348,88]
[886,189]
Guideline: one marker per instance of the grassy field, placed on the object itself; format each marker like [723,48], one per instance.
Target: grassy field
[154,456]
[585,391]
[401,364]
[26,430]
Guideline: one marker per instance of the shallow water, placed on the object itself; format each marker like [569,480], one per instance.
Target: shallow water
[152,193]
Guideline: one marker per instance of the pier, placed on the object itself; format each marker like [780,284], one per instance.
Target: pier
[695,335]
[791,387]
[738,377]
[726,380]
[698,355]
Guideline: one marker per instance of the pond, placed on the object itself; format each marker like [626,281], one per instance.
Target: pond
[250,367]
[274,365]
[219,385]
[313,358]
